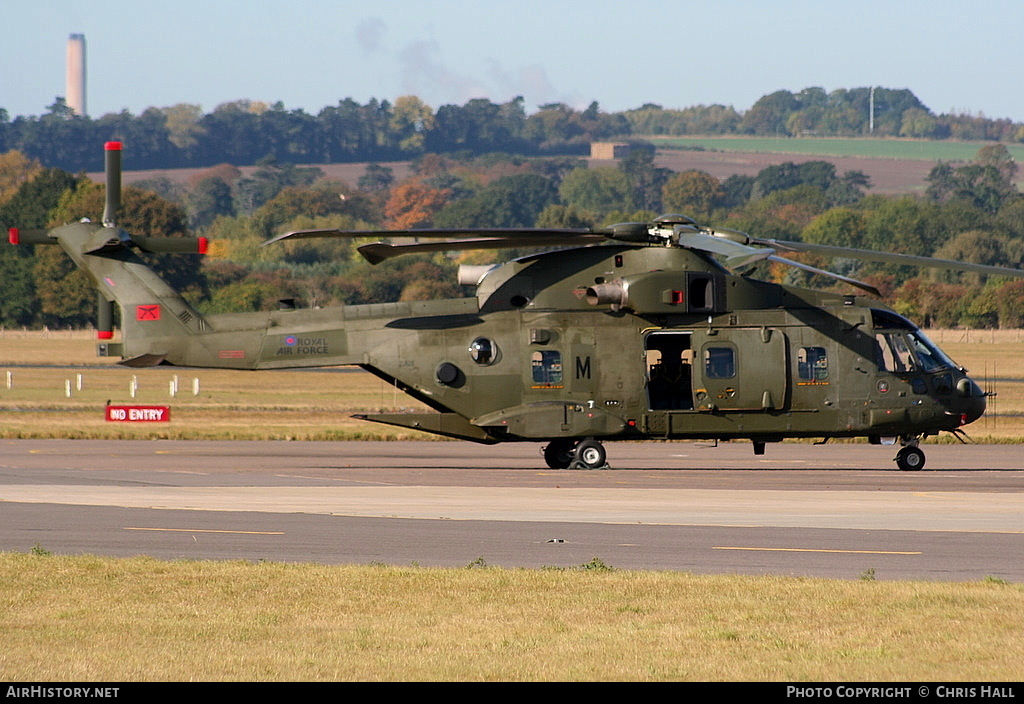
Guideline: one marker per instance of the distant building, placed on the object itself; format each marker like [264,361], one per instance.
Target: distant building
[75,77]
[608,150]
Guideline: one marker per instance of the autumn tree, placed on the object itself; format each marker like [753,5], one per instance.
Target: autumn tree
[208,200]
[411,120]
[510,201]
[182,122]
[28,208]
[376,178]
[839,227]
[15,170]
[986,183]
[597,191]
[695,193]
[979,247]
[934,304]
[414,204]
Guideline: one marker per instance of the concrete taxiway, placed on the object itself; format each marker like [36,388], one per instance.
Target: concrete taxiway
[834,511]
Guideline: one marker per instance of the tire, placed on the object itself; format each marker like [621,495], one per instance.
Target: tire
[910,459]
[591,454]
[559,454]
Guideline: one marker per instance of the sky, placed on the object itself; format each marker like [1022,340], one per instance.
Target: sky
[956,57]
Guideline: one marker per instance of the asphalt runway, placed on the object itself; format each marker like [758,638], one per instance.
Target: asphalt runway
[841,510]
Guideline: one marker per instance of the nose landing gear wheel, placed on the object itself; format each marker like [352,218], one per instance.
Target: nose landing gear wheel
[910,459]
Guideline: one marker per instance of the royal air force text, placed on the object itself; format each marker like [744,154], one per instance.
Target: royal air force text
[302,346]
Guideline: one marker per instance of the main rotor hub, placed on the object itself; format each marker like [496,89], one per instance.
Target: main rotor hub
[666,228]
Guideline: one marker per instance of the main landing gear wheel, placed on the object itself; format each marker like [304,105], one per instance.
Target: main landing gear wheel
[910,459]
[590,454]
[560,453]
[566,453]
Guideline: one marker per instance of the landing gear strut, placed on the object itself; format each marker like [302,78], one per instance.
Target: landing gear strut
[567,453]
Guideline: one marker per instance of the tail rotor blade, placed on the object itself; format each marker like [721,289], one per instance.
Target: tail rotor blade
[113,174]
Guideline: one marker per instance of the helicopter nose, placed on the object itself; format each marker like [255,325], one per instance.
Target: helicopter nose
[973,401]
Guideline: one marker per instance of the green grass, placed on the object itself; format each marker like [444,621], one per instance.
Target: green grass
[916,149]
[100,619]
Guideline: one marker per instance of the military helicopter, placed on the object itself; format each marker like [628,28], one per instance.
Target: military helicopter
[636,331]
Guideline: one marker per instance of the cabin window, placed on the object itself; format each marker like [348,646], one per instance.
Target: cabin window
[812,364]
[719,363]
[547,369]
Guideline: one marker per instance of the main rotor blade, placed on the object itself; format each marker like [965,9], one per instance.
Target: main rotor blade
[891,258]
[621,232]
[838,277]
[379,251]
[737,255]
[433,233]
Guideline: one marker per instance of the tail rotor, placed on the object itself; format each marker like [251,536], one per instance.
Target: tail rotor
[112,170]
[112,163]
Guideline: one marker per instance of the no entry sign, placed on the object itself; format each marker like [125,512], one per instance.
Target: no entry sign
[139,414]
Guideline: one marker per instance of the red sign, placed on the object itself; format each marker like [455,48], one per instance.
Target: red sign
[147,312]
[139,414]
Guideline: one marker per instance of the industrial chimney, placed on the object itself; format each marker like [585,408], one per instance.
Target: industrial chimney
[75,80]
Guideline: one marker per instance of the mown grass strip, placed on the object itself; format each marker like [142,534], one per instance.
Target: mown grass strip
[88,618]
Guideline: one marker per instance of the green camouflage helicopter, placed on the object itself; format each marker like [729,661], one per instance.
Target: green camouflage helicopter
[637,331]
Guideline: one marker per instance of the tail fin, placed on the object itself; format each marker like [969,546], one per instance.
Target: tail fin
[154,316]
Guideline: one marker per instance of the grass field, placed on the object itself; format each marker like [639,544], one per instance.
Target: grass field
[915,149]
[97,619]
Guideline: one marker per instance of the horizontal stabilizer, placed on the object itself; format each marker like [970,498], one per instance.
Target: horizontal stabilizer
[450,425]
[143,360]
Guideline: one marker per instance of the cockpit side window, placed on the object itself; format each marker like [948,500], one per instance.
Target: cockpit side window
[892,353]
[901,347]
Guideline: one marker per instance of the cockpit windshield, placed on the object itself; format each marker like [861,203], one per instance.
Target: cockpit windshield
[902,348]
[931,357]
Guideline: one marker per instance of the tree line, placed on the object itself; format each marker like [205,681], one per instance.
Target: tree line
[971,212]
[243,132]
